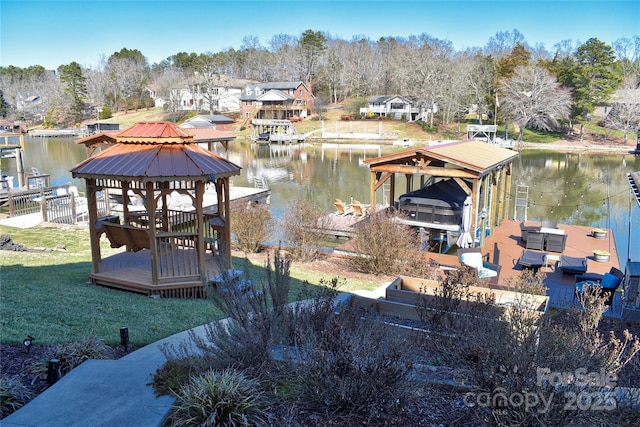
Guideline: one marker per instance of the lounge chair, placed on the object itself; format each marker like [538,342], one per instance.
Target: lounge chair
[358,209]
[342,208]
[572,265]
[472,257]
[608,283]
[532,259]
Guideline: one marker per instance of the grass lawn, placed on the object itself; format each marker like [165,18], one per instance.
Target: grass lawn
[47,294]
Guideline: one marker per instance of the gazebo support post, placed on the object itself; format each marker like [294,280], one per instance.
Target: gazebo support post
[200,188]
[94,235]
[150,206]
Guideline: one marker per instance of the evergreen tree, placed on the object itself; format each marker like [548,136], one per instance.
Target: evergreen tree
[4,105]
[75,88]
[595,77]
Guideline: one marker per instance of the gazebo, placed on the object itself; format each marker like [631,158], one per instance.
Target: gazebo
[481,170]
[146,168]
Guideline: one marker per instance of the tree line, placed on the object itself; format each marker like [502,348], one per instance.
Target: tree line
[526,85]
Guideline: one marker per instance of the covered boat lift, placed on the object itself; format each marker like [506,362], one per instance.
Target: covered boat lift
[483,171]
[166,249]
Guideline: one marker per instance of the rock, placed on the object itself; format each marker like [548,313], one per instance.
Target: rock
[7,244]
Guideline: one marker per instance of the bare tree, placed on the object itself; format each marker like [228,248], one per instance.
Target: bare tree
[97,84]
[480,81]
[532,97]
[625,108]
[503,43]
[168,86]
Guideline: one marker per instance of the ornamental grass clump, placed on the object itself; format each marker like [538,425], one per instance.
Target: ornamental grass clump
[72,355]
[13,395]
[226,398]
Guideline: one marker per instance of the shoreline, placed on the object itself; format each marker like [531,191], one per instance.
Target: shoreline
[562,145]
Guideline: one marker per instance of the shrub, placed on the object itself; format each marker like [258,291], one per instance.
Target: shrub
[353,366]
[252,227]
[383,246]
[13,395]
[105,113]
[304,229]
[502,356]
[72,355]
[256,313]
[226,398]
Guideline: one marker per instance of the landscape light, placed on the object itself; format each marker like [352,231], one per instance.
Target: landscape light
[53,371]
[124,338]
[27,343]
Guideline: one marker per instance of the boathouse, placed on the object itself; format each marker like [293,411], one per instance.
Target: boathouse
[169,252]
[476,169]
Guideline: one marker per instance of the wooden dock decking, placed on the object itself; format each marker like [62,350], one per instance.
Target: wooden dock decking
[343,226]
[504,247]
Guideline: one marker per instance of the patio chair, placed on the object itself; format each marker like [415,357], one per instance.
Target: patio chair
[472,257]
[342,208]
[555,242]
[608,283]
[572,265]
[525,230]
[532,259]
[549,224]
[358,209]
[535,240]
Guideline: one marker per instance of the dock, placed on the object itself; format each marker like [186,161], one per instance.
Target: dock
[504,247]
[344,226]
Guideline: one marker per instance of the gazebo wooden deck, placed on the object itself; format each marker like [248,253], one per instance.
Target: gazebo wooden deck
[168,252]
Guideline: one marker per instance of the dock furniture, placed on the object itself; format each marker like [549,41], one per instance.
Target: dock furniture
[525,229]
[555,242]
[572,265]
[532,259]
[472,257]
[608,283]
[342,208]
[535,240]
[358,208]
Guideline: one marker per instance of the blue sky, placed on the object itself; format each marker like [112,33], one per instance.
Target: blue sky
[54,32]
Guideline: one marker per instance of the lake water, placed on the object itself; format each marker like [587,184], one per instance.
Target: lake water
[583,189]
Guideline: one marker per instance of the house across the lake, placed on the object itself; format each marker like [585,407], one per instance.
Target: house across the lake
[276,101]
[397,107]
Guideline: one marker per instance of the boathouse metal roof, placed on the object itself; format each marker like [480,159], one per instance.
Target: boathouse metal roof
[155,151]
[475,156]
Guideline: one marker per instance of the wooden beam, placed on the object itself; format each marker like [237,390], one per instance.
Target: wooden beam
[464,185]
[372,189]
[379,182]
[435,171]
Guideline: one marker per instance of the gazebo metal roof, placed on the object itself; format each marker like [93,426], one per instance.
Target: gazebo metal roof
[155,151]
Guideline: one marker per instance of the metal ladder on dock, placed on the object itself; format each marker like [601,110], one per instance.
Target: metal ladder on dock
[522,200]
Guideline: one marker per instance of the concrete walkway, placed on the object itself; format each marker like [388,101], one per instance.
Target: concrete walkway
[109,393]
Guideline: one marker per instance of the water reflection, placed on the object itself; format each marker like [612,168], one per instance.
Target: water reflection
[578,188]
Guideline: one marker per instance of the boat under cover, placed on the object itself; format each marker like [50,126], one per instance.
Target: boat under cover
[436,206]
